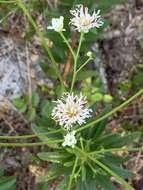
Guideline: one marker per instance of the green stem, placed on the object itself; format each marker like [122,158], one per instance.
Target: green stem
[75,61]
[87,155]
[108,170]
[68,44]
[43,42]
[30,144]
[29,136]
[7,1]
[72,174]
[89,59]
[118,108]
[117,150]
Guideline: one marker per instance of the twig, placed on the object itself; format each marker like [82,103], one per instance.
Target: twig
[28,74]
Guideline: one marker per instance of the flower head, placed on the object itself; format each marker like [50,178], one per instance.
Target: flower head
[89,54]
[57,24]
[83,21]
[70,109]
[69,139]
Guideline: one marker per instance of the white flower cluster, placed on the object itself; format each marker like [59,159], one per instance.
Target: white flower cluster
[71,110]
[69,139]
[82,20]
[57,24]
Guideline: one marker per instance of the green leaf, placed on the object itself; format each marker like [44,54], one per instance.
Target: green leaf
[1,171]
[82,75]
[107,98]
[31,114]
[35,99]
[38,129]
[55,157]
[87,185]
[62,185]
[107,140]
[138,79]
[99,128]
[127,139]
[20,104]
[59,90]
[120,171]
[115,140]
[53,172]
[97,97]
[7,183]
[46,108]
[105,5]
[104,182]
[50,72]
[114,159]
[42,186]
[84,173]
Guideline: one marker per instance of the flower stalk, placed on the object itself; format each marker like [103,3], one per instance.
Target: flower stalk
[76,62]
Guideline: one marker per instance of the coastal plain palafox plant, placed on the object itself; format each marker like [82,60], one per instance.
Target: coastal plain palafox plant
[84,164]
[81,150]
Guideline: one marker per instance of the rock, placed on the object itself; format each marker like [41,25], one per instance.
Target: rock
[14,70]
[121,45]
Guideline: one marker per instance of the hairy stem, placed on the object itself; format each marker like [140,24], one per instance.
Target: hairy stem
[29,136]
[30,144]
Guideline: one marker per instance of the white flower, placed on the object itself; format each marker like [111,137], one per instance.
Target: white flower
[83,21]
[70,109]
[69,139]
[57,24]
[89,54]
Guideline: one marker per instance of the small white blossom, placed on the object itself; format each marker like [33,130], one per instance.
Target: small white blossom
[69,139]
[83,21]
[89,54]
[57,24]
[70,109]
